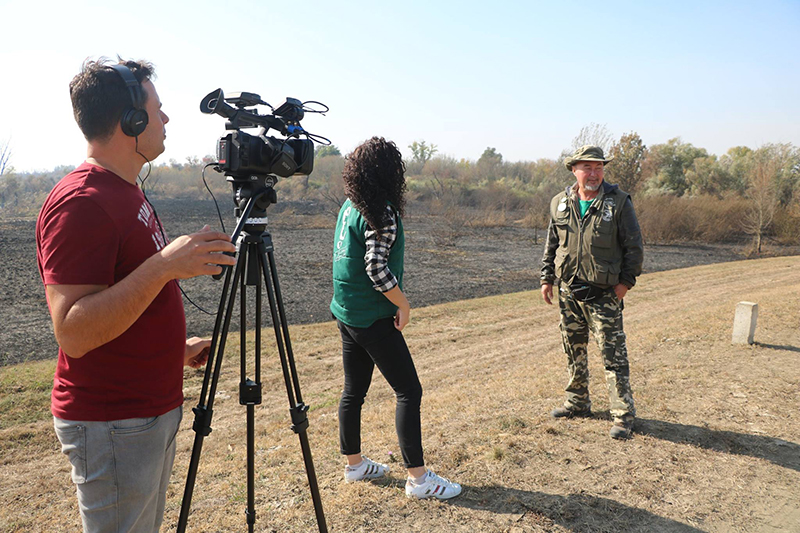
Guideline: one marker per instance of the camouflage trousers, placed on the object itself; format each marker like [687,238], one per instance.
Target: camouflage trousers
[603,317]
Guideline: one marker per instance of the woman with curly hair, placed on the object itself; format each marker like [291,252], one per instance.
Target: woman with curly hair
[371,311]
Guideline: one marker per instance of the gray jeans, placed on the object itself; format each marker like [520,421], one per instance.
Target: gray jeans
[121,469]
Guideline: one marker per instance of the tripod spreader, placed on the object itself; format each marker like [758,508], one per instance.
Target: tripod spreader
[202,420]
[299,418]
[249,393]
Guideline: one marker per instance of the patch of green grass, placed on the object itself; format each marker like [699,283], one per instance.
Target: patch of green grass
[332,400]
[25,392]
[512,423]
[238,493]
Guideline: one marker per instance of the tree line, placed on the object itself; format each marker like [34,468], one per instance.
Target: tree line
[680,191]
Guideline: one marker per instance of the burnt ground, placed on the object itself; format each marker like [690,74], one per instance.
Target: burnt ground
[481,262]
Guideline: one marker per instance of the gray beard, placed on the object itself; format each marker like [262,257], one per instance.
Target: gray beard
[592,188]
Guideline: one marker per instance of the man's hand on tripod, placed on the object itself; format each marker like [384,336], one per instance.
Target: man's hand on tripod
[197,254]
[197,351]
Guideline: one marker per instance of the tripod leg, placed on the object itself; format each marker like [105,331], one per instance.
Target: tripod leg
[251,511]
[297,409]
[204,410]
[249,390]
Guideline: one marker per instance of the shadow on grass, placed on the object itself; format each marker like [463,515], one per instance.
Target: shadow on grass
[778,347]
[780,452]
[575,512]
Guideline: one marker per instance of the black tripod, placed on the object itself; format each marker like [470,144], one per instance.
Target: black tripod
[254,259]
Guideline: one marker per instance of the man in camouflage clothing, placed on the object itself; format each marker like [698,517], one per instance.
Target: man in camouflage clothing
[594,250]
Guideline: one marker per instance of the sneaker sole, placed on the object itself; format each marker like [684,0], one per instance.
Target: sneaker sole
[365,478]
[434,496]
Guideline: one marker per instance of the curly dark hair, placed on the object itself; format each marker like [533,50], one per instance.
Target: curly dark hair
[373,175]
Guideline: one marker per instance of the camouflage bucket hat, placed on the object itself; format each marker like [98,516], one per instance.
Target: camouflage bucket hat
[587,153]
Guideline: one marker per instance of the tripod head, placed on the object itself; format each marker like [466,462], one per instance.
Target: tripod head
[252,198]
[260,190]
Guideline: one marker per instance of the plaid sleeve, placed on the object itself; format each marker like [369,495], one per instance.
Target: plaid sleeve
[379,244]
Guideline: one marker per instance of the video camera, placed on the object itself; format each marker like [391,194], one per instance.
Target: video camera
[243,157]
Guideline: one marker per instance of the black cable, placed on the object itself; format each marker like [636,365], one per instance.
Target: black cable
[164,237]
[203,175]
[160,227]
[319,139]
[312,110]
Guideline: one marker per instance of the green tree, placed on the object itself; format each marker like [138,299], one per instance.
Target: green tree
[629,155]
[708,176]
[788,179]
[490,164]
[491,156]
[737,162]
[326,150]
[421,152]
[666,165]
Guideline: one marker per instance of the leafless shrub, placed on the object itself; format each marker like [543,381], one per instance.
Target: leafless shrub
[667,219]
[327,177]
[492,217]
[762,194]
[594,134]
[5,157]
[452,218]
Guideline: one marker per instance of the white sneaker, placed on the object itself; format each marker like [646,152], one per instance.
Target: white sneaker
[367,469]
[433,486]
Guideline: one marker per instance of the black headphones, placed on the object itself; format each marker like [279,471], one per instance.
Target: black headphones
[134,119]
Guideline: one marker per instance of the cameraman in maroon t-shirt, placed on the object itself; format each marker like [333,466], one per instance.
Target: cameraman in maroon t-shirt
[110,278]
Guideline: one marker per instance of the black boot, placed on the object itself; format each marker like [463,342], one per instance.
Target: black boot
[564,412]
[622,429]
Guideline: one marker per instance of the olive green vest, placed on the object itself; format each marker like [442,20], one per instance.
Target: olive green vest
[355,301]
[588,247]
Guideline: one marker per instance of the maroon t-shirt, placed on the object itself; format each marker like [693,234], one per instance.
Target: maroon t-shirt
[95,228]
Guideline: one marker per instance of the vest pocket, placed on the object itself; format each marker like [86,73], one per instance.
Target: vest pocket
[602,233]
[602,243]
[607,273]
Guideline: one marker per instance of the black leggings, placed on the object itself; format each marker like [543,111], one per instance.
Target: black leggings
[383,345]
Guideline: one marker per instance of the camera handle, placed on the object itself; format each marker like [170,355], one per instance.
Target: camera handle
[255,260]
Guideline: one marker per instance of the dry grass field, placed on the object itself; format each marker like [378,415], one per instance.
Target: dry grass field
[717,443]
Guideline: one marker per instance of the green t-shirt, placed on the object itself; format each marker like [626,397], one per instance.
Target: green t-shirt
[585,206]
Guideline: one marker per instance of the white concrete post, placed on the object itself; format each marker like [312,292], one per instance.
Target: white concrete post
[744,323]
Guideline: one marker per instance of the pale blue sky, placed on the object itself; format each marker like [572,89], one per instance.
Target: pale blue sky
[522,77]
